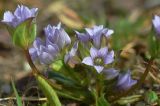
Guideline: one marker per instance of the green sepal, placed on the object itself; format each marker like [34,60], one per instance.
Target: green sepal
[57,65]
[24,34]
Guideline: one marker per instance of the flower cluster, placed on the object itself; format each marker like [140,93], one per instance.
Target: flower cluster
[20,14]
[101,56]
[56,39]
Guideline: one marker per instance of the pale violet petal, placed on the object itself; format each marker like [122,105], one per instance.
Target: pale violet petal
[108,32]
[67,57]
[97,29]
[110,57]
[83,37]
[8,17]
[88,61]
[103,52]
[71,53]
[34,12]
[52,49]
[93,52]
[99,68]
[123,78]
[59,25]
[156,21]
[97,41]
[37,43]
[89,31]
[110,73]
[33,53]
[45,58]
[74,49]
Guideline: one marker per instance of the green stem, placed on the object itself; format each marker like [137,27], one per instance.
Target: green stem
[141,80]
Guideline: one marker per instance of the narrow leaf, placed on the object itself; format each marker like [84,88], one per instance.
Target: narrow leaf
[19,101]
[102,101]
[48,91]
[63,79]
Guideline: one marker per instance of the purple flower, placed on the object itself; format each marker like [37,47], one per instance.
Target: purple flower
[95,35]
[20,14]
[125,81]
[110,73]
[46,53]
[57,35]
[156,24]
[83,37]
[71,53]
[98,58]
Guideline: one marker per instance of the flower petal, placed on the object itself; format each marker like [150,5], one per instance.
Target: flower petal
[108,32]
[103,52]
[156,23]
[99,68]
[8,17]
[33,53]
[125,81]
[88,61]
[93,52]
[97,41]
[83,37]
[71,53]
[110,73]
[37,43]
[22,13]
[123,78]
[66,37]
[52,49]
[45,58]
[34,12]
[110,57]
[89,31]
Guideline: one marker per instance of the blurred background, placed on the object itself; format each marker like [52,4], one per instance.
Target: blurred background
[130,19]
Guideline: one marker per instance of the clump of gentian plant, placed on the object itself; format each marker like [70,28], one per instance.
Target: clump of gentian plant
[84,69]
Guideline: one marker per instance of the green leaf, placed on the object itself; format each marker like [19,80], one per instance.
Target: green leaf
[24,34]
[19,101]
[48,91]
[101,101]
[63,79]
[151,97]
